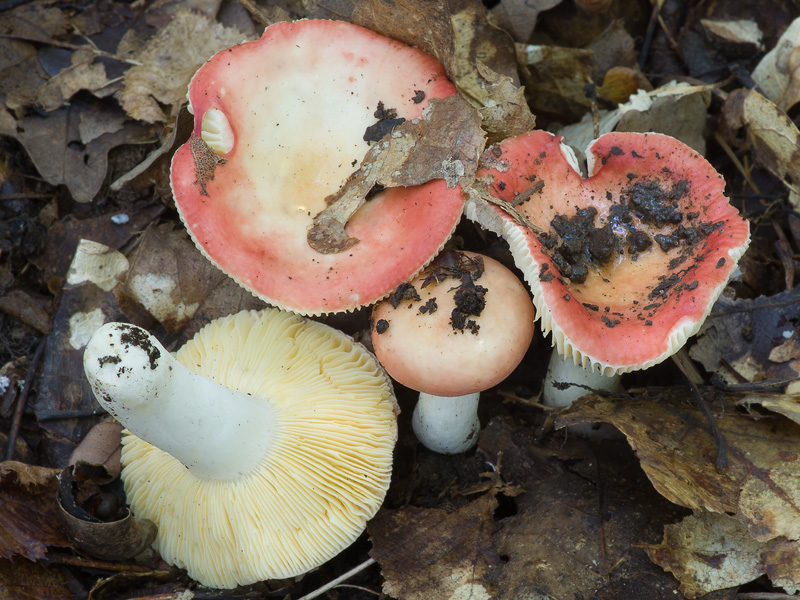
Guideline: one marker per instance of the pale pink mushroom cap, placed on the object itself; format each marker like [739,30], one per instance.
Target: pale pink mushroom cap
[424,352]
[292,108]
[640,307]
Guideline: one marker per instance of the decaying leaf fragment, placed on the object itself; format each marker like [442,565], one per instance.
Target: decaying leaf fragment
[444,144]
[778,73]
[169,277]
[760,487]
[708,552]
[774,140]
[752,339]
[170,58]
[28,511]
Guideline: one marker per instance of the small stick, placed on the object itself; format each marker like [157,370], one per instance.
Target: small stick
[332,584]
[693,376]
[23,398]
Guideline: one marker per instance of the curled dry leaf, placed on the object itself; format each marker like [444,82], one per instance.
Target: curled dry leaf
[760,487]
[119,539]
[774,140]
[444,144]
[169,59]
[100,448]
[778,73]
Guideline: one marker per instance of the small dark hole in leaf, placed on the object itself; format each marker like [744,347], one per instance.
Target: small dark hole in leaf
[506,507]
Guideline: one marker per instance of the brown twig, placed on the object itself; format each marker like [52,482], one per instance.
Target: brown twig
[343,577]
[23,398]
[695,379]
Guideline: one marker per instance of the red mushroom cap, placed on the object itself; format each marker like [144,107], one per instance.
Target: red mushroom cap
[295,105]
[628,262]
[424,345]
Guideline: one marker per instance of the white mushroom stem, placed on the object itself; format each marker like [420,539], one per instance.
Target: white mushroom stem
[558,393]
[565,382]
[448,425]
[217,432]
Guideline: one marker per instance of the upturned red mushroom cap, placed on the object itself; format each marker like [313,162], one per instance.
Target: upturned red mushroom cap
[627,263]
[285,119]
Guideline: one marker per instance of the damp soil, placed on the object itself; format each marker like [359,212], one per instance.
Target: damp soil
[577,245]
[460,272]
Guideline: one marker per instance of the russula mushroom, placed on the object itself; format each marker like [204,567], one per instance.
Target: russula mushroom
[259,450]
[624,265]
[280,125]
[459,328]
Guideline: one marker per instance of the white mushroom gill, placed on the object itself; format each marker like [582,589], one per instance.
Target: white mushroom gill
[216,432]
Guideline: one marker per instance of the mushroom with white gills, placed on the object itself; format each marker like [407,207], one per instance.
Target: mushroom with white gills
[259,450]
[624,265]
[460,327]
[281,123]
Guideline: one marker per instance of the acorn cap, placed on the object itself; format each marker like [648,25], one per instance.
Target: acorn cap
[626,264]
[280,125]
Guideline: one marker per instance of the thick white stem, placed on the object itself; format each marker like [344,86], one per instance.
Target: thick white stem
[447,425]
[217,432]
[557,391]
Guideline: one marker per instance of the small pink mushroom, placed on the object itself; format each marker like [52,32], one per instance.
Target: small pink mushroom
[459,328]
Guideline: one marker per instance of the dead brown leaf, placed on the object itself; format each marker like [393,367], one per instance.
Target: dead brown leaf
[24,579]
[682,116]
[169,59]
[83,74]
[519,17]
[555,80]
[752,121]
[28,512]
[708,552]
[778,72]
[570,533]
[169,277]
[751,340]
[445,143]
[760,486]
[54,144]
[428,554]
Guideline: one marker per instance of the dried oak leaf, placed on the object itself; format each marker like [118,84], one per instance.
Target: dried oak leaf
[445,143]
[778,72]
[28,511]
[761,485]
[457,34]
[169,59]
[756,339]
[707,552]
[751,120]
